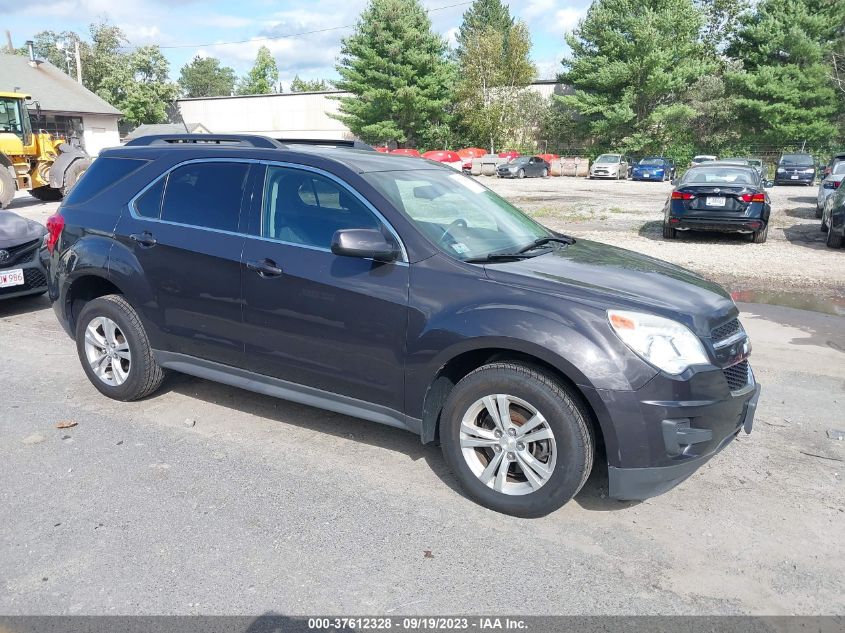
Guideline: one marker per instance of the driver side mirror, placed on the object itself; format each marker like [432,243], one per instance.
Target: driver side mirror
[364,244]
[768,184]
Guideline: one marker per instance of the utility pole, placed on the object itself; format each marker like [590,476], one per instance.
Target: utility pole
[78,60]
[9,42]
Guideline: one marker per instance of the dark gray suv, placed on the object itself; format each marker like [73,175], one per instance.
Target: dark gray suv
[404,293]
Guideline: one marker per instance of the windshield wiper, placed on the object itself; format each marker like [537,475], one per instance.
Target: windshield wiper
[540,241]
[498,257]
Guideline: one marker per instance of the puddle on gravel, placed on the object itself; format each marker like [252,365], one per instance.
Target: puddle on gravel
[799,300]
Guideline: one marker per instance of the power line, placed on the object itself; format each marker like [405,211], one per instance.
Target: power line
[291,35]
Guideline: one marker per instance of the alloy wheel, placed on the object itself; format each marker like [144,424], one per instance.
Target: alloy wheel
[107,351]
[508,444]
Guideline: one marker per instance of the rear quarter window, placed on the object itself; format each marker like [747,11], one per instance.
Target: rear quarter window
[102,174]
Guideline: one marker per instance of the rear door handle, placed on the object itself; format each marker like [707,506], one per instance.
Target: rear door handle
[145,239]
[265,268]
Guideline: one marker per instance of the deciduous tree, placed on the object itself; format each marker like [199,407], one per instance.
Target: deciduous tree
[309,85]
[205,77]
[263,77]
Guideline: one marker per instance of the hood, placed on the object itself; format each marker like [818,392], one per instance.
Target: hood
[16,230]
[609,277]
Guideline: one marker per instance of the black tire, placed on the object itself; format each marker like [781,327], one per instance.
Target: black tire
[565,416]
[46,194]
[520,173]
[144,376]
[545,173]
[669,233]
[7,187]
[74,173]
[833,240]
[819,211]
[759,237]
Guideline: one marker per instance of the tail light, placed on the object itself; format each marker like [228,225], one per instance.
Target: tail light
[682,195]
[55,226]
[832,184]
[753,197]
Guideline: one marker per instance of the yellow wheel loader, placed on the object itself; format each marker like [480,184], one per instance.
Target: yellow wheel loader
[47,167]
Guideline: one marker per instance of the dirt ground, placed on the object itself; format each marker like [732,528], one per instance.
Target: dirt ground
[629,214]
[206,499]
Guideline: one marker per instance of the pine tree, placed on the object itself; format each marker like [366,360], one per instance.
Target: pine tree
[629,62]
[395,68]
[785,94]
[309,85]
[481,15]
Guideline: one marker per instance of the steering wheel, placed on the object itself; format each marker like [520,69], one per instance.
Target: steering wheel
[455,223]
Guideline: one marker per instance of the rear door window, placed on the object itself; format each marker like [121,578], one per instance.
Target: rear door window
[205,194]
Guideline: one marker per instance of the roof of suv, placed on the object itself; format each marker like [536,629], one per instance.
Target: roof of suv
[355,158]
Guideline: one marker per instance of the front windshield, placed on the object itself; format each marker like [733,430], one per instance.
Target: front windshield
[10,116]
[463,218]
[797,159]
[608,158]
[718,176]
[652,161]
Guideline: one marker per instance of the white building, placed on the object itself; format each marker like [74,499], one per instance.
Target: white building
[68,109]
[287,115]
[290,114]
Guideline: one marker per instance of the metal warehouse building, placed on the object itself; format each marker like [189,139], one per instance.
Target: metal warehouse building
[291,114]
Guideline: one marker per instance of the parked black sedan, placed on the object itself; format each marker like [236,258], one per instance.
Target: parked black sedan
[21,270]
[524,167]
[720,197]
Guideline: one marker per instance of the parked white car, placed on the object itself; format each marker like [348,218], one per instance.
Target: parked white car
[610,166]
[829,185]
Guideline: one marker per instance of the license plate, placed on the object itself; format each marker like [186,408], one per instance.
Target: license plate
[11,278]
[715,201]
[794,177]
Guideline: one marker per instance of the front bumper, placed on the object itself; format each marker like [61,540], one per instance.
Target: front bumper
[603,174]
[794,179]
[506,174]
[34,274]
[657,436]
[648,175]
[643,483]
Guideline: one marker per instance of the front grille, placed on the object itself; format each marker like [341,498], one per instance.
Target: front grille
[726,330]
[20,254]
[737,375]
[32,278]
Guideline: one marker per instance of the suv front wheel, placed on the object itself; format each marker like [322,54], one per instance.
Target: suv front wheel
[517,439]
[114,350]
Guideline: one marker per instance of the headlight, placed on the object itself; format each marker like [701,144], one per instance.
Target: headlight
[781,170]
[666,344]
[810,171]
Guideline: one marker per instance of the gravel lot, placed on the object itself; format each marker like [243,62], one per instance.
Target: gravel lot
[257,504]
[630,214]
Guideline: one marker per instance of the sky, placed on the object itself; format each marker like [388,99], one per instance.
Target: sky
[185,28]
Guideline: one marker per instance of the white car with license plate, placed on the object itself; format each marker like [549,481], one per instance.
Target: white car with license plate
[22,272]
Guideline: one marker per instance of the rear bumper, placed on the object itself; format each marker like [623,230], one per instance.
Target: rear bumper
[723,225]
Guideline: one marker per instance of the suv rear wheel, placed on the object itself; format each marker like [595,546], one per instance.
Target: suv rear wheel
[114,350]
[517,439]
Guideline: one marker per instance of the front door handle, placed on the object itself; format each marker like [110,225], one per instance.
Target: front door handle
[145,239]
[265,268]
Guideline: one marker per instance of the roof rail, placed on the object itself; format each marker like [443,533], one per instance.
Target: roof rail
[339,143]
[239,140]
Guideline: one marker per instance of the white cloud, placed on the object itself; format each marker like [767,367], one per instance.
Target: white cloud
[567,19]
